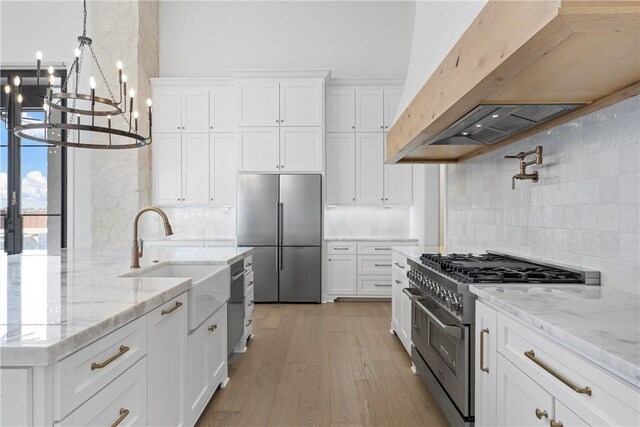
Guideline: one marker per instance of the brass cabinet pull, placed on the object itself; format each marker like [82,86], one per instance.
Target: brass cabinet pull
[249,322]
[379,285]
[381,249]
[172,309]
[382,265]
[250,303]
[554,423]
[123,349]
[582,390]
[399,266]
[213,327]
[398,281]
[482,332]
[123,414]
[540,414]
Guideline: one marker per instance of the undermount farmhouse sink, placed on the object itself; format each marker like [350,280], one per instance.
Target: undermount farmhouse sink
[209,286]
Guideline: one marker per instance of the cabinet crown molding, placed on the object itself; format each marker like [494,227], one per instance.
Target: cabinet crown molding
[262,74]
[178,82]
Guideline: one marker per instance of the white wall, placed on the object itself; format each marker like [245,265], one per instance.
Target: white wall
[438,26]
[584,209]
[353,39]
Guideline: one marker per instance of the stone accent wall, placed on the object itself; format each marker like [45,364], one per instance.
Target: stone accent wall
[583,211]
[121,180]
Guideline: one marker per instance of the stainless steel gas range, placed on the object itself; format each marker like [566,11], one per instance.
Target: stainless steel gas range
[443,316]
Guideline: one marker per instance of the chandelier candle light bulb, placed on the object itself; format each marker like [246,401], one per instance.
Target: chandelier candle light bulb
[135,117]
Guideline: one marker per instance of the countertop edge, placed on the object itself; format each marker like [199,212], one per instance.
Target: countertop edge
[629,372]
[369,239]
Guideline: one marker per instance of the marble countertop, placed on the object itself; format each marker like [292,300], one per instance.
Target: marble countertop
[52,305]
[600,324]
[415,251]
[369,239]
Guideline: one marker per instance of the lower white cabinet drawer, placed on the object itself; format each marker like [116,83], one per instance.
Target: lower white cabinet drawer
[248,263]
[248,283]
[608,399]
[374,285]
[121,403]
[374,265]
[248,306]
[376,248]
[82,374]
[341,248]
[399,262]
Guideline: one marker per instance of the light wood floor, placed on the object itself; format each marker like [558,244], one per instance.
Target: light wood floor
[323,365]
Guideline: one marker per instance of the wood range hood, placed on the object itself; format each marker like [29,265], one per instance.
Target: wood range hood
[580,53]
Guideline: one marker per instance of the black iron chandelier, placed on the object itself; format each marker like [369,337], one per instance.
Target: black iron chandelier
[80,129]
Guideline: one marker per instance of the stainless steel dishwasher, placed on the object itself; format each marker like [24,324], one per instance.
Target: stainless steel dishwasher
[235,307]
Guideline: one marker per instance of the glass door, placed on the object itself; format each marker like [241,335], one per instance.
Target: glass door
[32,177]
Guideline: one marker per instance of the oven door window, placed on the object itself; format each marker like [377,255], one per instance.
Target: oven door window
[443,345]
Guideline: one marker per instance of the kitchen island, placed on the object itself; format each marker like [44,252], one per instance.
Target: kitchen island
[75,333]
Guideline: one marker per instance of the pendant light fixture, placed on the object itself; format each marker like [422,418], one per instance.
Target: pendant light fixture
[82,109]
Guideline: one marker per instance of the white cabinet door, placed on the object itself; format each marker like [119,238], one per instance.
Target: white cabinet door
[198,364]
[369,110]
[396,307]
[519,397]
[341,275]
[567,417]
[398,184]
[258,103]
[369,168]
[259,149]
[222,109]
[391,102]
[167,162]
[217,346]
[341,110]
[195,168]
[167,109]
[405,317]
[16,404]
[167,362]
[195,109]
[301,103]
[223,168]
[340,175]
[301,149]
[485,364]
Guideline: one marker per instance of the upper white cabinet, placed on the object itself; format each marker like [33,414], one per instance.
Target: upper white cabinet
[181,109]
[340,179]
[195,168]
[167,168]
[391,102]
[222,109]
[195,109]
[398,184]
[301,103]
[259,103]
[369,169]
[369,110]
[341,110]
[301,149]
[281,102]
[259,149]
[223,170]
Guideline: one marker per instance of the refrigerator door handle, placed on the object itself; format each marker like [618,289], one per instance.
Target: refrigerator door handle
[281,259]
[278,224]
[281,223]
[278,258]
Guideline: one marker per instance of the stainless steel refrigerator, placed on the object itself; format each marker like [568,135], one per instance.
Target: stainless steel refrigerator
[281,216]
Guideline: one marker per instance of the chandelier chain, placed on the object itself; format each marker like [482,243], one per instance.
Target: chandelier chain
[84,21]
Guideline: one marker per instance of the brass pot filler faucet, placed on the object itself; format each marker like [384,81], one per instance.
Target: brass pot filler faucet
[523,165]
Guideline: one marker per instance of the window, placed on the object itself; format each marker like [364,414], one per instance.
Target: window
[32,178]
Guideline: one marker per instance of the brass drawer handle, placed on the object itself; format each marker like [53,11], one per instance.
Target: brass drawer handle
[213,327]
[250,304]
[340,249]
[382,265]
[554,423]
[399,266]
[581,390]
[172,309]
[249,322]
[123,349]
[123,414]
[398,281]
[381,249]
[381,285]
[482,332]
[540,414]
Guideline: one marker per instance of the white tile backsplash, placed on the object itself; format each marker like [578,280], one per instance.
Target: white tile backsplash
[584,209]
[202,223]
[373,221]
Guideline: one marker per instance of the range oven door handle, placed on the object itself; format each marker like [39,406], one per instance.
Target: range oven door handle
[454,331]
[407,292]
